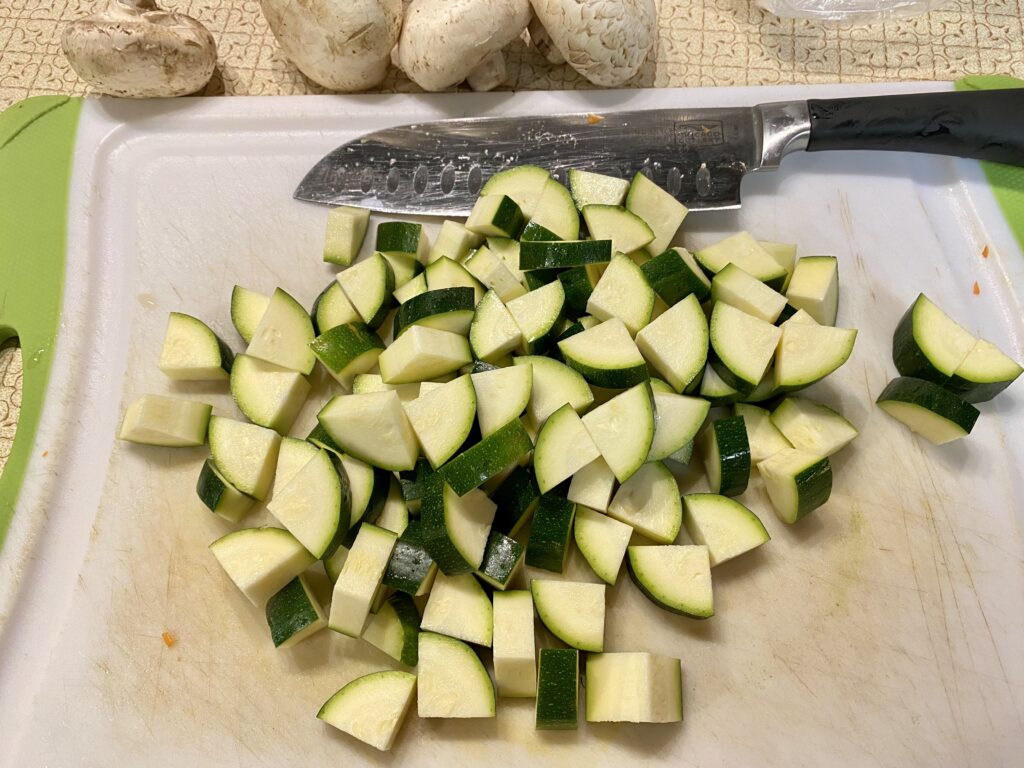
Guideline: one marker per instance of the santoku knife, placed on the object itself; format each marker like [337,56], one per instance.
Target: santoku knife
[699,155]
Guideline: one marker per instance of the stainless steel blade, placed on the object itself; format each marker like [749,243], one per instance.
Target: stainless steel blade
[698,155]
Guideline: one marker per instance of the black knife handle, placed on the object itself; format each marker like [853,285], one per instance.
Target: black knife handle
[983,125]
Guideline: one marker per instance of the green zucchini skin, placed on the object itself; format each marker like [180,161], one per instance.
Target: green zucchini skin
[734,454]
[814,485]
[516,499]
[560,254]
[549,539]
[931,396]
[908,356]
[430,303]
[410,563]
[481,462]
[558,681]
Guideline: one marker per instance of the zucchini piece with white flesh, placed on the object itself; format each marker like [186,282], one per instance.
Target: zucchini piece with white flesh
[359,579]
[414,287]
[459,607]
[715,390]
[523,183]
[368,285]
[372,382]
[738,288]
[811,426]
[371,708]
[260,561]
[347,350]
[623,292]
[588,188]
[649,502]
[623,430]
[394,516]
[488,458]
[675,343]
[677,420]
[984,373]
[314,505]
[402,238]
[346,230]
[743,344]
[557,212]
[814,288]
[294,614]
[292,456]
[220,496]
[422,354]
[373,428]
[446,309]
[445,273]
[453,241]
[592,485]
[936,414]
[675,274]
[726,452]
[367,489]
[493,332]
[808,353]
[634,688]
[247,309]
[443,418]
[245,454]
[573,611]
[514,647]
[165,421]
[332,308]
[558,690]
[516,498]
[486,267]
[928,344]
[507,250]
[606,355]
[784,255]
[627,231]
[763,435]
[797,482]
[502,558]
[538,315]
[501,395]
[404,268]
[675,577]
[602,540]
[283,335]
[411,569]
[723,525]
[453,682]
[562,254]
[563,448]
[268,394]
[744,251]
[455,528]
[660,210]
[554,384]
[395,629]
[548,545]
[495,216]
[193,352]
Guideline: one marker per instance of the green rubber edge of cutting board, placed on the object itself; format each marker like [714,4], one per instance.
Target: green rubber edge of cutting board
[37,139]
[1007,181]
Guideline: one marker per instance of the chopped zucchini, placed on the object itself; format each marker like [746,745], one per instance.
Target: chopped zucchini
[359,579]
[501,395]
[443,418]
[606,355]
[373,428]
[935,413]
[166,421]
[675,274]
[459,607]
[797,482]
[589,188]
[294,614]
[452,680]
[563,448]
[573,611]
[662,212]
[623,430]
[726,452]
[623,292]
[602,540]
[811,426]
[814,288]
[193,352]
[371,708]
[723,525]
[633,688]
[675,344]
[261,561]
[346,230]
[548,545]
[592,485]
[515,664]
[558,689]
[455,528]
[283,335]
[674,577]
[402,238]
[649,502]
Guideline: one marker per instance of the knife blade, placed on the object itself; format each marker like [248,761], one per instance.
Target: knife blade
[699,155]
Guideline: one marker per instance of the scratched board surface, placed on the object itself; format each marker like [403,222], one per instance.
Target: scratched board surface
[885,629]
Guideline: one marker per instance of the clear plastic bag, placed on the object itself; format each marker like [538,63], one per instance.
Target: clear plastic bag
[862,11]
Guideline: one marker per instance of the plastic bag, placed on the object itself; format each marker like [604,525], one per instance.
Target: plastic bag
[863,11]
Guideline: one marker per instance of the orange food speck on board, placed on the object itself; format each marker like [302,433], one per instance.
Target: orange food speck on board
[984,252]
[168,638]
[977,289]
[45,454]
[593,119]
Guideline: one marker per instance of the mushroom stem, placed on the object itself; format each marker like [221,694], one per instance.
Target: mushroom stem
[542,42]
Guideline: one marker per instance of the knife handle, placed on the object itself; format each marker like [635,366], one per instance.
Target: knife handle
[983,125]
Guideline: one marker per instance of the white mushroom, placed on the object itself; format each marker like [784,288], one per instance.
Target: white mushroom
[542,42]
[133,48]
[606,41]
[343,45]
[443,42]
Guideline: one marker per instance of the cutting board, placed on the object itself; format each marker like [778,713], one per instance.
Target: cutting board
[885,629]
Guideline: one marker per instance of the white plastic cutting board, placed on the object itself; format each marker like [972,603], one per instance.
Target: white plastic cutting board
[885,629]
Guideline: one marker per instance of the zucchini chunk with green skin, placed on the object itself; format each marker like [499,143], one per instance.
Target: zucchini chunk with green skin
[675,343]
[495,216]
[367,488]
[346,231]
[623,292]
[490,270]
[493,332]
[634,688]
[726,452]
[563,448]
[347,350]
[983,374]
[368,285]
[404,268]
[763,435]
[422,354]
[453,241]
[193,352]
[372,382]
[602,540]
[515,658]
[523,183]
[268,394]
[606,355]
[677,420]
[414,287]
[928,344]
[535,231]
[502,557]
[332,308]
[674,577]
[814,288]
[443,418]
[501,395]
[283,335]
[373,428]
[453,682]
[359,579]
[556,211]
[592,485]
[395,629]
[936,414]
[715,390]
[538,315]
[548,545]
[578,284]
[247,309]
[516,499]
[784,255]
[588,188]
[744,251]
[538,278]
[797,482]
[314,505]
[627,231]
[723,525]
[220,496]
[674,275]
[558,690]
[554,384]
[411,569]
[447,309]
[459,607]
[743,344]
[245,454]
[809,353]
[445,273]
[738,288]
[260,561]
[372,708]
[394,516]
[623,430]
[573,611]
[292,456]
[660,210]
[478,464]
[811,426]
[455,528]
[402,238]
[649,502]
[294,614]
[561,254]
[507,250]
[165,421]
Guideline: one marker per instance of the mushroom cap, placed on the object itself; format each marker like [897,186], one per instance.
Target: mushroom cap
[444,40]
[606,41]
[137,50]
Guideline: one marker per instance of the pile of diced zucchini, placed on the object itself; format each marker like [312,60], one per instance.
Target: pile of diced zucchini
[536,379]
